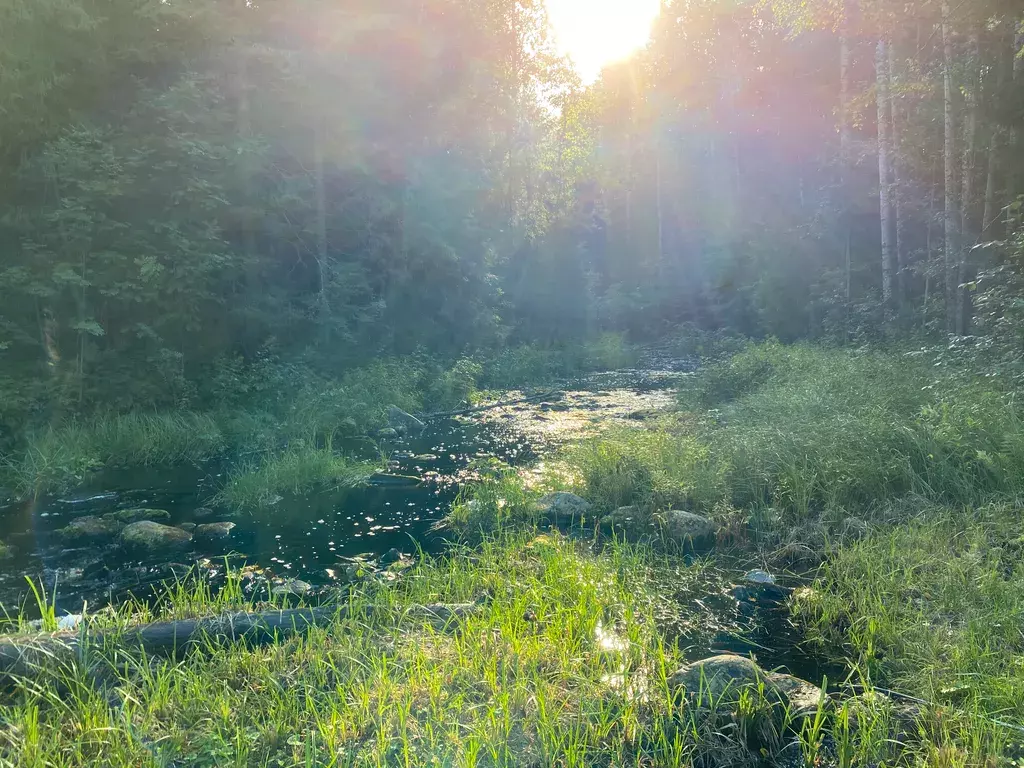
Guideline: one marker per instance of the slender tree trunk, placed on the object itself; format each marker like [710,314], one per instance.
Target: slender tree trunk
[844,160]
[968,237]
[321,223]
[951,216]
[897,194]
[997,136]
[884,155]
[929,248]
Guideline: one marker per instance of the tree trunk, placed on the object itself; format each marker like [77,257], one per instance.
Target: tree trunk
[29,657]
[321,222]
[951,216]
[968,237]
[897,196]
[884,155]
[997,137]
[844,159]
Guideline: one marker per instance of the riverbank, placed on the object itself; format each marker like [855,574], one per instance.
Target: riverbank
[872,497]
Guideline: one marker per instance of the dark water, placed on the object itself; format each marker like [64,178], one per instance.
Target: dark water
[307,537]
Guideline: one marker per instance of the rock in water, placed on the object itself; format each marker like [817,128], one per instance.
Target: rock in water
[390,557]
[688,530]
[89,530]
[213,535]
[562,506]
[387,432]
[399,419]
[292,588]
[149,538]
[135,515]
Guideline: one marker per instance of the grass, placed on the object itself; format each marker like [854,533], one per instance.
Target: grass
[58,455]
[561,664]
[933,609]
[257,484]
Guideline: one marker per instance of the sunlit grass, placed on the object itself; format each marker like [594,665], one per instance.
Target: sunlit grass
[258,483]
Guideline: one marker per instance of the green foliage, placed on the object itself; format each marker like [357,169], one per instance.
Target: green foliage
[654,469]
[59,455]
[932,609]
[500,501]
[740,374]
[255,486]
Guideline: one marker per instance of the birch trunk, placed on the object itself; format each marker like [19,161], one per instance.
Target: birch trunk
[968,237]
[951,217]
[897,196]
[884,154]
[844,157]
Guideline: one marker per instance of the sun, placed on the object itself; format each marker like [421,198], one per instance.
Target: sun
[595,33]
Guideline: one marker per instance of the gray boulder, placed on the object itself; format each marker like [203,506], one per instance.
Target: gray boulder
[127,516]
[148,538]
[400,420]
[688,530]
[89,530]
[720,681]
[292,588]
[213,535]
[562,506]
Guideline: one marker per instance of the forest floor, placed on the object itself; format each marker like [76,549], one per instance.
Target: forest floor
[886,489]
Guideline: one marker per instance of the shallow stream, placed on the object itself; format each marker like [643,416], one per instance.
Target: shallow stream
[313,538]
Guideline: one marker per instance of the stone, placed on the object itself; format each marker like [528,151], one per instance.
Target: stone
[721,680]
[387,432]
[148,538]
[687,529]
[6,551]
[757,576]
[202,513]
[189,527]
[390,557]
[292,588]
[399,418]
[213,535]
[89,530]
[631,523]
[135,515]
[563,506]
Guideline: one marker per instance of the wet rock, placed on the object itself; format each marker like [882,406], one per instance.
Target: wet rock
[148,538]
[127,516]
[562,506]
[387,433]
[90,530]
[292,588]
[397,418]
[425,457]
[202,513]
[688,530]
[348,425]
[188,527]
[721,680]
[390,557]
[213,535]
[382,479]
[6,551]
[757,576]
[802,698]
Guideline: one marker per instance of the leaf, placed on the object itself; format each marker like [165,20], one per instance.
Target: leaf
[89,326]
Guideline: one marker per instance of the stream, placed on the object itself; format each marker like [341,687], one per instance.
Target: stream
[311,542]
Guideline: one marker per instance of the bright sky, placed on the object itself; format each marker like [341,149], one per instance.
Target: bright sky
[599,32]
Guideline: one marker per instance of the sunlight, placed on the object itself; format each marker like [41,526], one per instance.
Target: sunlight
[595,33]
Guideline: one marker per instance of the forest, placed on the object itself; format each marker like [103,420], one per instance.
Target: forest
[377,388]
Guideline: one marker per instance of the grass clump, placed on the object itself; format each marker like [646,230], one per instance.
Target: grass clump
[933,609]
[66,453]
[301,468]
[499,501]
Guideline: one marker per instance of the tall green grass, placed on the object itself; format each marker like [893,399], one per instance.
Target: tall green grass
[256,484]
[933,609]
[69,452]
